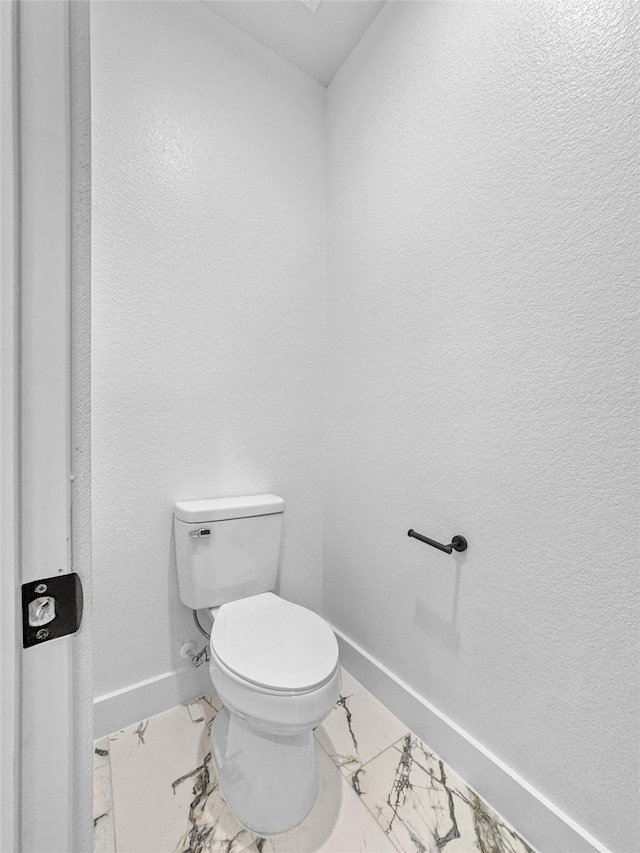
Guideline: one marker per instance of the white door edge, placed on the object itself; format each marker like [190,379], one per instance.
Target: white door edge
[9,582]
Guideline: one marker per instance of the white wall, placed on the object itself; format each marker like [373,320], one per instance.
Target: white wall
[208,308]
[80,358]
[481,320]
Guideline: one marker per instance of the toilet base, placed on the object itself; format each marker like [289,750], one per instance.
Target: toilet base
[270,782]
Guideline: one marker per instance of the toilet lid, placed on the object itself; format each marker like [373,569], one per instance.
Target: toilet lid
[274,643]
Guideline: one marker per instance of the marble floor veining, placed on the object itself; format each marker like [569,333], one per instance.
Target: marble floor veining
[381,789]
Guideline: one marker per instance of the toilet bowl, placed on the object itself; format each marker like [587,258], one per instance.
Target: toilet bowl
[273,664]
[276,670]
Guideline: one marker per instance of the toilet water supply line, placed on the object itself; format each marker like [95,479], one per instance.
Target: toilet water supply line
[203,655]
[199,626]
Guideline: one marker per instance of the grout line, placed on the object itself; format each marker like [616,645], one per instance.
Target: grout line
[112,810]
[368,695]
[109,815]
[391,745]
[386,834]
[344,781]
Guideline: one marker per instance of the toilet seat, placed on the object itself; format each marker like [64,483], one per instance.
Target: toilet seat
[273,644]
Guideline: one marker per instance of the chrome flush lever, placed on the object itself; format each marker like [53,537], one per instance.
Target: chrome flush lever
[202,531]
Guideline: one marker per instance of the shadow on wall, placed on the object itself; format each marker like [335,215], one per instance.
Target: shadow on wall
[444,631]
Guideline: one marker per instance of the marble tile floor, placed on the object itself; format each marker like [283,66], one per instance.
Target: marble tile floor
[381,789]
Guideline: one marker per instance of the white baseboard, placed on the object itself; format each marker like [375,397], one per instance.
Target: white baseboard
[115,711]
[541,823]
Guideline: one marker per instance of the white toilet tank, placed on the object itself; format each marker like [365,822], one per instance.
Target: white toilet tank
[227,548]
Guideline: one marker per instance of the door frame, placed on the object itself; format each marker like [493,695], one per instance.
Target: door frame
[9,433]
[46,733]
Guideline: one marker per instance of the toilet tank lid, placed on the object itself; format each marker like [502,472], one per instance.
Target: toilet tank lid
[219,509]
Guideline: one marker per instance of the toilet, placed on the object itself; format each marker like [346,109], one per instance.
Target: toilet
[274,664]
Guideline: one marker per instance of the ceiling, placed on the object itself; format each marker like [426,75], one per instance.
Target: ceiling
[318,42]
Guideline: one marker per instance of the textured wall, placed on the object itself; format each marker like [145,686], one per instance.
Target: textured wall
[208,307]
[80,355]
[481,316]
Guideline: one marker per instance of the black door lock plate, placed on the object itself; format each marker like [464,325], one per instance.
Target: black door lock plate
[51,608]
